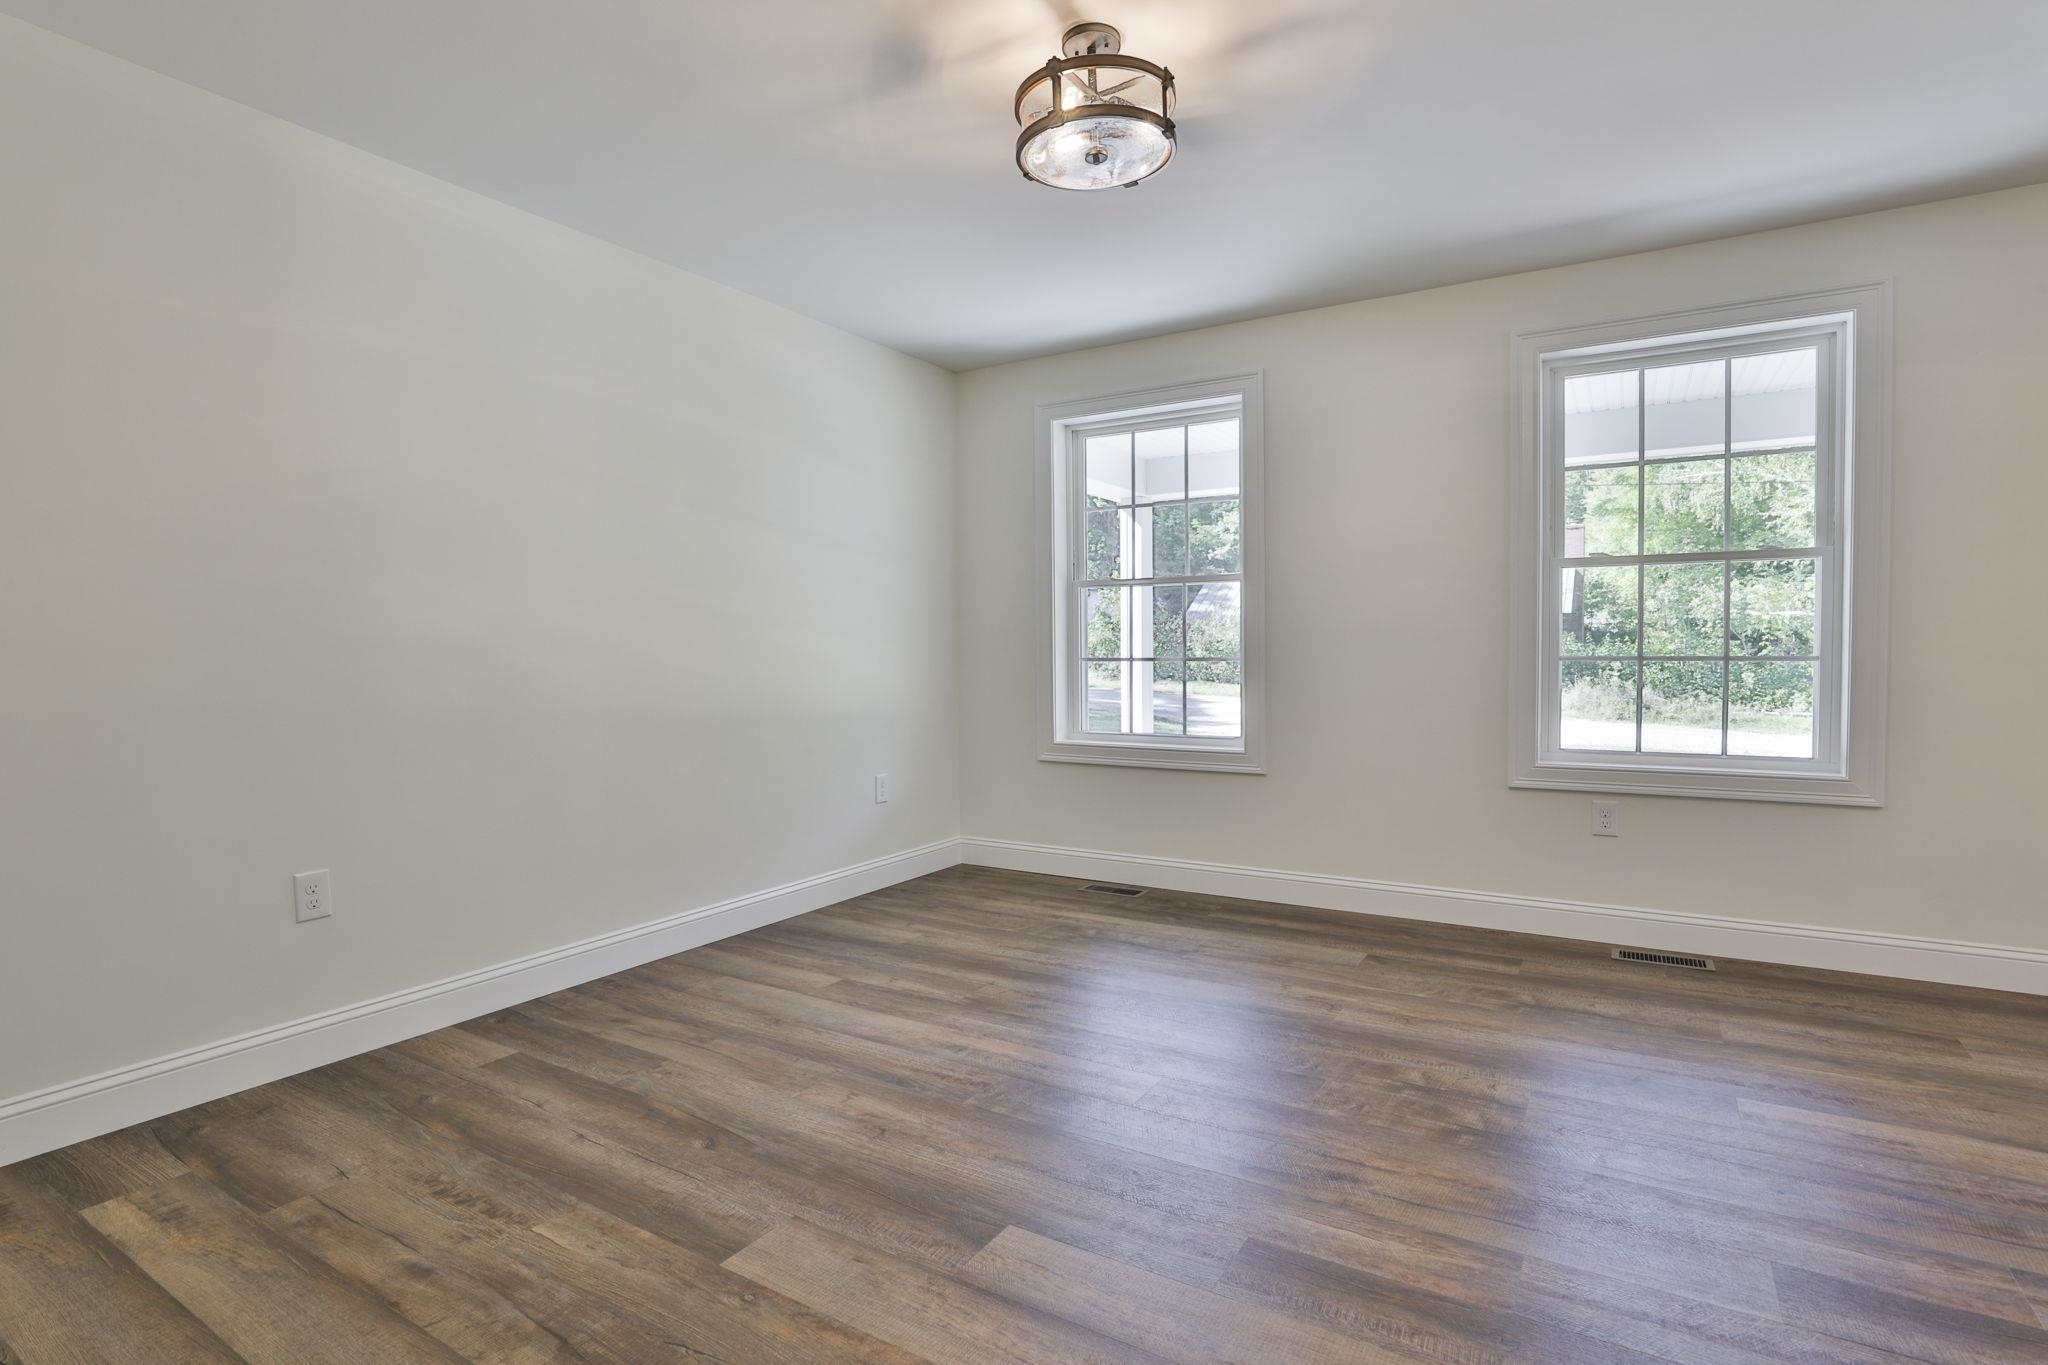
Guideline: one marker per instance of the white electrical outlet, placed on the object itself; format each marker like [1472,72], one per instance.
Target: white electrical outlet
[881,789]
[314,894]
[1607,819]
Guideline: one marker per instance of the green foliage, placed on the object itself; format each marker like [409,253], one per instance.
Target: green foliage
[1190,644]
[1600,690]
[1198,620]
[1203,537]
[1682,694]
[1103,528]
[1606,600]
[1213,621]
[1748,609]
[1105,623]
[1770,696]
[1682,505]
[1683,604]
[1603,501]
[1169,541]
[1213,536]
[1771,604]
[1773,500]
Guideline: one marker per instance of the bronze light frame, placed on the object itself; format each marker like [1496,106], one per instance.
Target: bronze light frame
[1095,46]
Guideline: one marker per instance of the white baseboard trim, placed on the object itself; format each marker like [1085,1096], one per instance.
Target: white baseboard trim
[76,1110]
[1797,945]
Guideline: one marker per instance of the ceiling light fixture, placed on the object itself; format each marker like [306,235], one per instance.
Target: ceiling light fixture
[1094,119]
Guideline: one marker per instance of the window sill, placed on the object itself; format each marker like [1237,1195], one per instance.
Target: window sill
[1186,758]
[1725,786]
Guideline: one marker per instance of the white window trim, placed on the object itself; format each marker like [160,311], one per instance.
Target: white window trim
[1058,628]
[1850,767]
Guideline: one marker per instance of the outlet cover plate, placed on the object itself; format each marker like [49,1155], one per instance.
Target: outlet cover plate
[313,893]
[1607,819]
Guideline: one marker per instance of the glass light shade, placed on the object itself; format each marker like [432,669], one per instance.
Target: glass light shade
[1094,119]
[1118,85]
[1098,152]
[1035,102]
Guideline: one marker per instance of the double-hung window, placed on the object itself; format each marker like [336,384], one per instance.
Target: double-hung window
[1701,594]
[1153,533]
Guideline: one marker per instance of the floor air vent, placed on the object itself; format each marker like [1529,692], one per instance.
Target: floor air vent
[1106,889]
[1698,964]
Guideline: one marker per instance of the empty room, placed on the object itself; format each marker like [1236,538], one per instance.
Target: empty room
[985,681]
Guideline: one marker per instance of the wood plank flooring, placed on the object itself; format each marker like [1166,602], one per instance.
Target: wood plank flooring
[987,1117]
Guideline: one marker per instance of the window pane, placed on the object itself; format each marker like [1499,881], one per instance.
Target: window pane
[1169,714]
[1105,622]
[1213,536]
[1169,634]
[1105,528]
[1109,470]
[1682,605]
[1154,507]
[1213,466]
[1771,607]
[1682,506]
[1160,540]
[1682,708]
[1770,709]
[1599,706]
[1601,418]
[1162,465]
[1684,410]
[1106,698]
[1773,403]
[1600,511]
[1212,620]
[1773,497]
[1597,611]
[1215,699]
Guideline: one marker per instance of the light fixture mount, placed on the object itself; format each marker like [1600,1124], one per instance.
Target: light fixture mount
[1094,119]
[1091,40]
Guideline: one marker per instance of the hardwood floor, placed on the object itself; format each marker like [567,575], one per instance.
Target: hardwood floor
[991,1117]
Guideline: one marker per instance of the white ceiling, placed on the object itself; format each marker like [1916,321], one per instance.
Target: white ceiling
[852,158]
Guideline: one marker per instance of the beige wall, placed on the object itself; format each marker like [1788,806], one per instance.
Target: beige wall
[1386,441]
[350,520]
